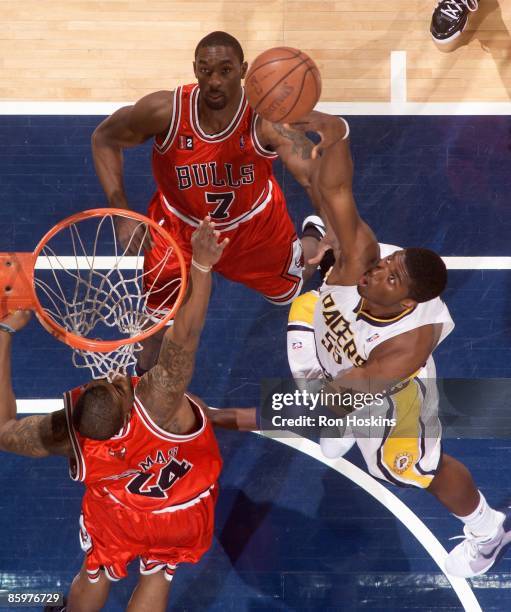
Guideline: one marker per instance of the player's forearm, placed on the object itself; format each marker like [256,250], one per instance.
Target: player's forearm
[241,419]
[7,398]
[355,238]
[335,180]
[191,317]
[365,379]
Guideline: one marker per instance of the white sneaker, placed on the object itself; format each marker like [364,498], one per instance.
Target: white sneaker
[316,222]
[476,554]
[334,443]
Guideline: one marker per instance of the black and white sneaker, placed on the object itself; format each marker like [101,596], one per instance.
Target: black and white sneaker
[450,18]
[314,227]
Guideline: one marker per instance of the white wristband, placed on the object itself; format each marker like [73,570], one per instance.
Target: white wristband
[7,328]
[200,267]
[347,128]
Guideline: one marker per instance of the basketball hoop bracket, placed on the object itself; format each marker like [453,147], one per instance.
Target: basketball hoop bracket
[16,282]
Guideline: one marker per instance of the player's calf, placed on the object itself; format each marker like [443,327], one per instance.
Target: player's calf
[87,596]
[151,593]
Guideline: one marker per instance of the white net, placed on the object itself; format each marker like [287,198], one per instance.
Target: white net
[102,291]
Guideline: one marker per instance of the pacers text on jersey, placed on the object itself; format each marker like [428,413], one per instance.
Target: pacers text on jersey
[339,339]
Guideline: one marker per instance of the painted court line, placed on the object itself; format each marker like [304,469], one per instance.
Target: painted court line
[398,77]
[478,263]
[408,518]
[334,108]
[86,263]
[39,406]
[130,263]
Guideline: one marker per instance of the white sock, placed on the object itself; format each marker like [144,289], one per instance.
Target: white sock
[484,521]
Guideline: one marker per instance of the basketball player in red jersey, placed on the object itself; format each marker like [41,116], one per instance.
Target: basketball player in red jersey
[213,155]
[144,449]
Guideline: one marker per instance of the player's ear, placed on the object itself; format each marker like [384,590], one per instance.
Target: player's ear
[195,69]
[244,68]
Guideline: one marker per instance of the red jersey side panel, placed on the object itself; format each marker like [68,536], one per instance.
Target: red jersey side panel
[144,467]
[226,175]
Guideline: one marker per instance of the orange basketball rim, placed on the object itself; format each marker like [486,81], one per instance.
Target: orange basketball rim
[19,283]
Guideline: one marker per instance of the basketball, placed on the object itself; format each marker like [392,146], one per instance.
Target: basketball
[283,84]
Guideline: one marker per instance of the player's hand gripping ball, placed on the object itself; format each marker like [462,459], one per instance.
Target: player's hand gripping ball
[283,84]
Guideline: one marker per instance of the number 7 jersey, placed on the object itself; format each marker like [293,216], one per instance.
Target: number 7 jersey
[226,175]
[144,467]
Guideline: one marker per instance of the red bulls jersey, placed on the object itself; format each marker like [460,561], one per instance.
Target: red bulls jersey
[226,175]
[144,467]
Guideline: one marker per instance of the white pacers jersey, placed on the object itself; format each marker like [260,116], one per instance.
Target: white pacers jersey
[345,333]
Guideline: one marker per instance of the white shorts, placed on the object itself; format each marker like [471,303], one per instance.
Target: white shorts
[408,452]
[301,346]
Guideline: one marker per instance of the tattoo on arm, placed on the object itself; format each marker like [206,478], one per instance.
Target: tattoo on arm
[301,144]
[37,436]
[165,384]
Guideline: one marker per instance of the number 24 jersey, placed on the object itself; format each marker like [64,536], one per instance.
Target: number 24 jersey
[145,467]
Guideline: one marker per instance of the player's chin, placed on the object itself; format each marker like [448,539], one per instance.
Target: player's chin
[216,103]
[362,290]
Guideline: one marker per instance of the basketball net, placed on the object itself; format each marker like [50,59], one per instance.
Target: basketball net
[101,298]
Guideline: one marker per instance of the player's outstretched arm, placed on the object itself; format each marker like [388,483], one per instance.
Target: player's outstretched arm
[34,436]
[294,150]
[334,181]
[162,388]
[240,419]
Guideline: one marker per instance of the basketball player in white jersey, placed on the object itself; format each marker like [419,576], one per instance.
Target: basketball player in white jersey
[377,320]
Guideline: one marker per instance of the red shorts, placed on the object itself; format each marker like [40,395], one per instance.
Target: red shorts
[263,254]
[112,535]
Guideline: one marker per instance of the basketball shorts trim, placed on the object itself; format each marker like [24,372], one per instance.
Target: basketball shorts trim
[292,274]
[153,566]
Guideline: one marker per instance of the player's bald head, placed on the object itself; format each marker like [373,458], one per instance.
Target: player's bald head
[221,39]
[98,413]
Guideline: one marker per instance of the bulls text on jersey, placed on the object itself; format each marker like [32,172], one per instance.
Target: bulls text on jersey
[210,174]
[339,339]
